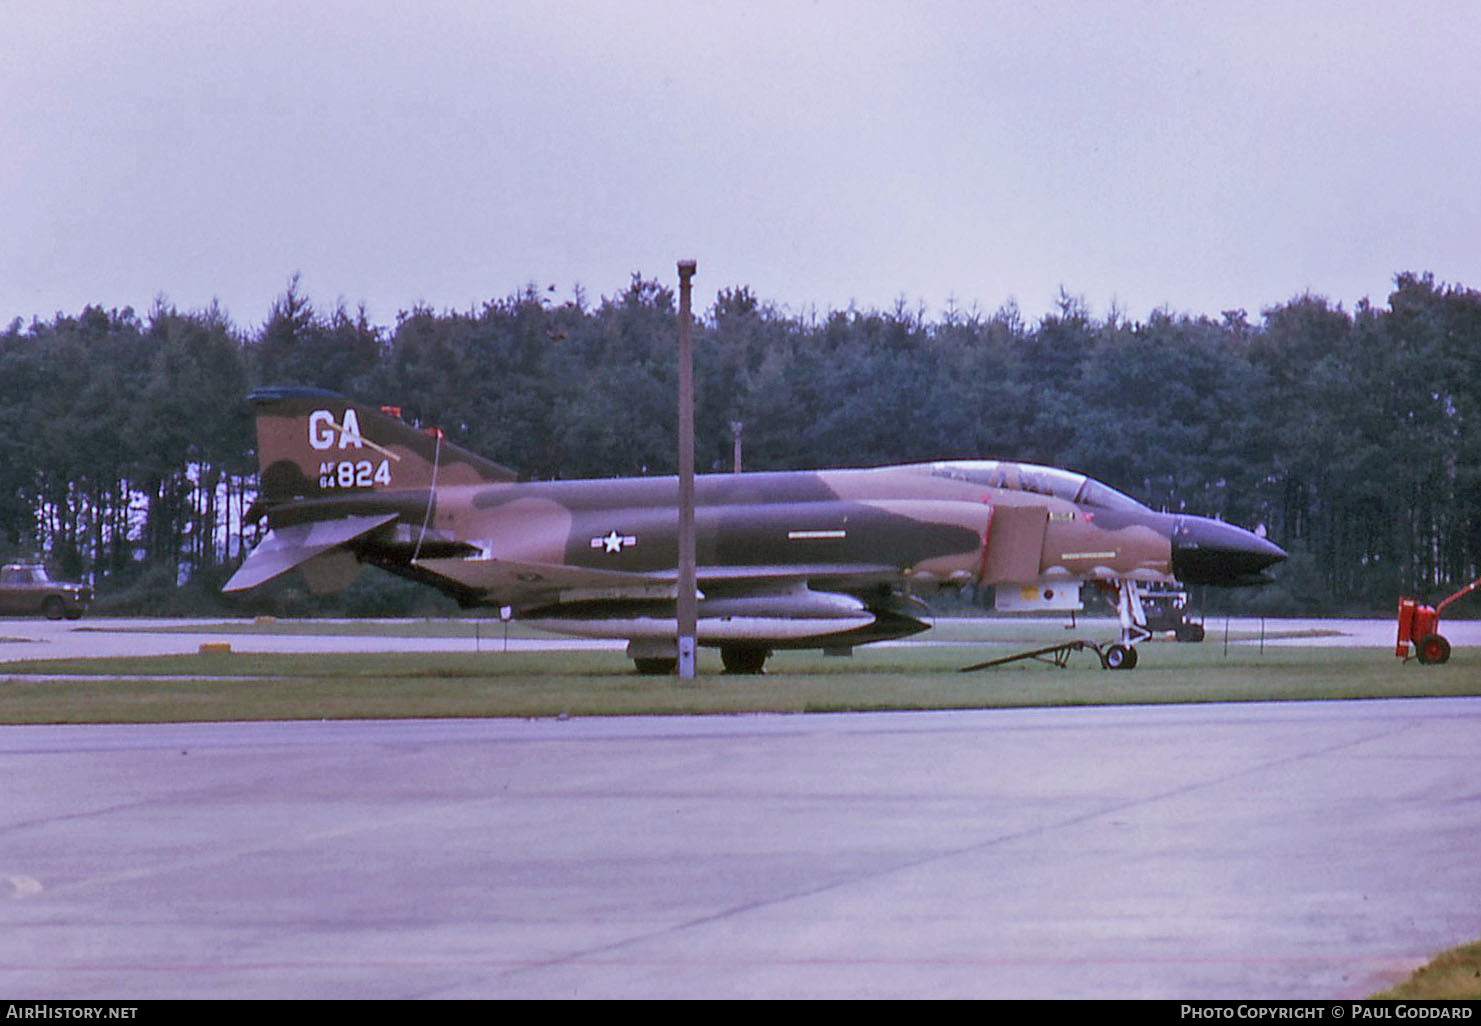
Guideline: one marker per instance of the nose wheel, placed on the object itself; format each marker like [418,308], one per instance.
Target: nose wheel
[1118,656]
[1121,655]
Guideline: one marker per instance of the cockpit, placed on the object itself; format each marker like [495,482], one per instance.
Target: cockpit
[1028,477]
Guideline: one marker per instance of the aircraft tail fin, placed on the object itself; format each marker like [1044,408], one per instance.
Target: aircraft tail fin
[312,442]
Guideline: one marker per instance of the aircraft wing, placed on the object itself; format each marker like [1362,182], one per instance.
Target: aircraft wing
[287,547]
[798,571]
[515,583]
[518,583]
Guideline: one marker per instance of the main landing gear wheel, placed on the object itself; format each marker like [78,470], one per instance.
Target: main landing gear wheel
[1119,657]
[1432,649]
[656,667]
[744,660]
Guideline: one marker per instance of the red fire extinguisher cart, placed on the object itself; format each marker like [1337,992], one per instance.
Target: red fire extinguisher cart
[1419,625]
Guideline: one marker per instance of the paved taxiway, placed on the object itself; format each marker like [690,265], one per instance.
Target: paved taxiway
[1282,850]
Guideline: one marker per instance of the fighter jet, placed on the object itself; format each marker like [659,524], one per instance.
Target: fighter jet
[824,559]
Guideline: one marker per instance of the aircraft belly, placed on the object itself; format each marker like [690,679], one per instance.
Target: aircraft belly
[710,630]
[780,616]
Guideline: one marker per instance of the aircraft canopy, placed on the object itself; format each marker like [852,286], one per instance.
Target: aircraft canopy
[1029,477]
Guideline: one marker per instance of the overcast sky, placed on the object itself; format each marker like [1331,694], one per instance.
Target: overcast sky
[1198,156]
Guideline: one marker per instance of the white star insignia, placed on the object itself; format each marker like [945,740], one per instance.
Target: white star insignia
[613,542]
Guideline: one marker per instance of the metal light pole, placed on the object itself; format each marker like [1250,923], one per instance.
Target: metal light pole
[688,602]
[735,437]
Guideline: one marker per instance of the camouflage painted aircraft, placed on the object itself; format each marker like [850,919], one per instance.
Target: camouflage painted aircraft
[802,559]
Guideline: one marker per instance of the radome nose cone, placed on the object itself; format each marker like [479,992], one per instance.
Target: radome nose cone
[1212,552]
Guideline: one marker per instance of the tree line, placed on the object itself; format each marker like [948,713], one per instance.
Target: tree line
[1353,437]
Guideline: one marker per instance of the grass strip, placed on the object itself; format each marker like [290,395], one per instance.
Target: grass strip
[239,686]
[1453,975]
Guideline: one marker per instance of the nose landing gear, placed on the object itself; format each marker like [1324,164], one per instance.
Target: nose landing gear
[1118,655]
